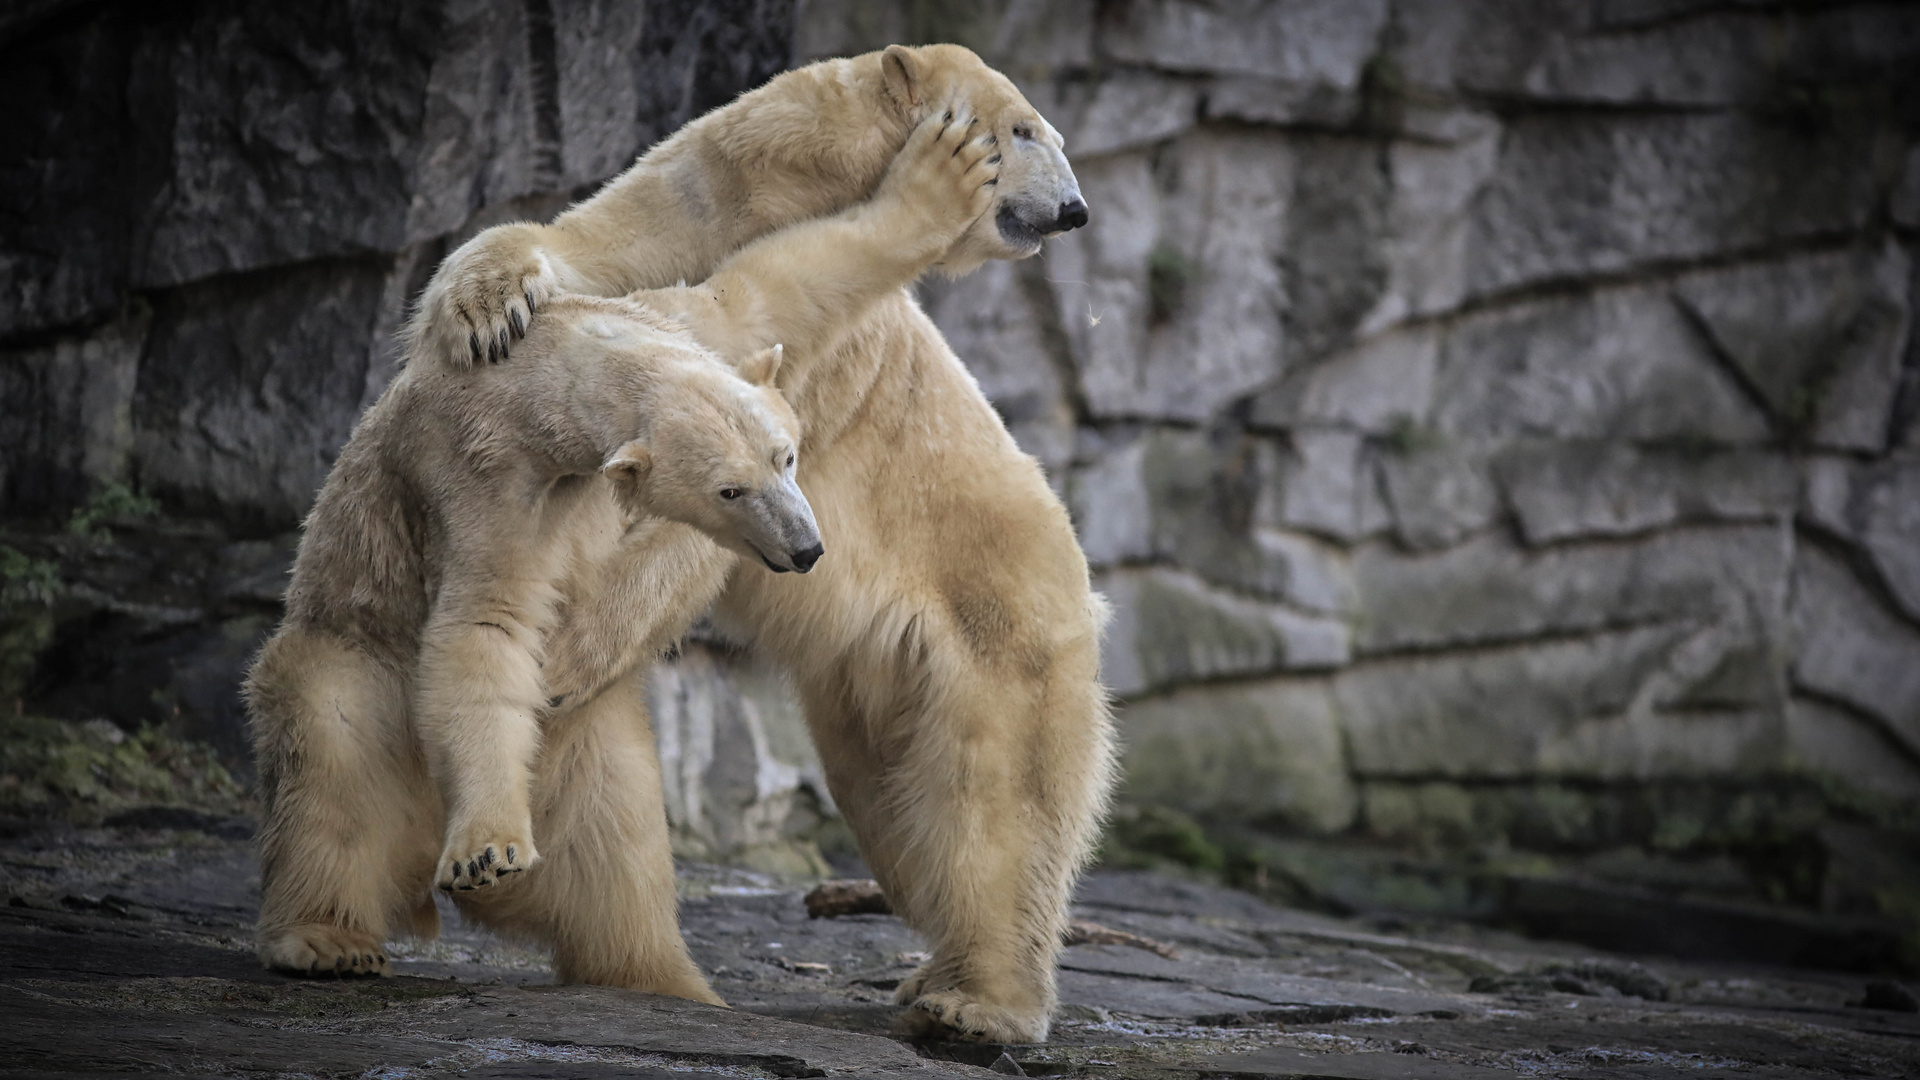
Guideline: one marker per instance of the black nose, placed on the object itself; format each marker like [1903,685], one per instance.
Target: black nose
[1072,215]
[803,560]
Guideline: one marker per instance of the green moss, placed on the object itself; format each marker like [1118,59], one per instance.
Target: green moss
[1408,437]
[1156,837]
[87,771]
[1168,277]
[114,501]
[28,587]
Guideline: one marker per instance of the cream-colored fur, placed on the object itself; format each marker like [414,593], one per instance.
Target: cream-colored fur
[402,722]
[946,648]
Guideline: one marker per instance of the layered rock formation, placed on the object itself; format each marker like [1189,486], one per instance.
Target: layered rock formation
[1494,422]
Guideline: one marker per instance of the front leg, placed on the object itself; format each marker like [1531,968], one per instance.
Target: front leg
[480,694]
[804,285]
[629,607]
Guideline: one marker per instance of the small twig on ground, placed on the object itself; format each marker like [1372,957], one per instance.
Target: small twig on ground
[862,896]
[1082,932]
[847,896]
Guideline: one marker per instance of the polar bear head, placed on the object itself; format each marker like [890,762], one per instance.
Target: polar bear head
[1038,194]
[719,454]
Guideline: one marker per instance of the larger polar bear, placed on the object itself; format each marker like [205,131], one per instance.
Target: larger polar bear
[946,652]
[401,721]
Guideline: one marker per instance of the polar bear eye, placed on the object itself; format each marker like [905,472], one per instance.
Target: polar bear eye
[789,461]
[1022,131]
[732,492]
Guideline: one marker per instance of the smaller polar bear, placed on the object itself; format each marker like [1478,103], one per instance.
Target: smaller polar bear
[401,721]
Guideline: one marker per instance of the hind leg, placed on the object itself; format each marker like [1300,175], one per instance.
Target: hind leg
[974,805]
[351,825]
[603,892]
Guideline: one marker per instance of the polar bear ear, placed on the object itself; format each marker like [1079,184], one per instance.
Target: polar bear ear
[629,468]
[900,71]
[760,368]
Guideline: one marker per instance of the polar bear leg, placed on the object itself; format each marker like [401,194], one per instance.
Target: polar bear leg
[351,823]
[968,810]
[603,894]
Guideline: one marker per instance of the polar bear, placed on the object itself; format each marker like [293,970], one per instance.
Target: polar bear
[946,656]
[402,724]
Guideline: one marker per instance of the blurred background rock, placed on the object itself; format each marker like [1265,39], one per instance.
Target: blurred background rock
[1495,422]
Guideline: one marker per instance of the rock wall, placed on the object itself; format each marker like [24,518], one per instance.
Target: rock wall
[212,215]
[1492,421]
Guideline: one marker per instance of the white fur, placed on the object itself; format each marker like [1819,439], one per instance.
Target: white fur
[946,648]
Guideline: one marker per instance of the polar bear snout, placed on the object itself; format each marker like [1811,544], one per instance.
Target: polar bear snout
[1073,214]
[779,528]
[803,560]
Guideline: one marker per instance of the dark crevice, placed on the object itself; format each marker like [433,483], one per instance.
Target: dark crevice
[1866,573]
[1905,748]
[544,65]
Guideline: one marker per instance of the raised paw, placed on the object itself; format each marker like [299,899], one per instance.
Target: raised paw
[486,294]
[948,171]
[324,949]
[952,1014]
[483,858]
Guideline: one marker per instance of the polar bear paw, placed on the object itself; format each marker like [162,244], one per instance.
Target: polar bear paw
[481,857]
[952,1014]
[947,172]
[324,949]
[485,296]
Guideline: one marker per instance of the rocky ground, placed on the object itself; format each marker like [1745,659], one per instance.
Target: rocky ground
[125,950]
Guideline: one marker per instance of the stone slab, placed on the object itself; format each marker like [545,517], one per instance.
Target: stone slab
[1268,750]
[1571,490]
[1819,337]
[1582,194]
[1852,649]
[1276,990]
[1309,41]
[1170,627]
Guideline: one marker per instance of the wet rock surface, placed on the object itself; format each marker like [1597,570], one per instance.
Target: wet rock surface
[127,950]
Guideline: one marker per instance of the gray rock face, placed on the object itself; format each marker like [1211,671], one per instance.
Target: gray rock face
[743,783]
[1853,651]
[1267,751]
[1820,338]
[1531,385]
[213,219]
[1561,491]
[1168,627]
[1303,41]
[1576,196]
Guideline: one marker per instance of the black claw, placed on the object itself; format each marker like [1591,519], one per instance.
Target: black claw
[493,352]
[473,343]
[993,140]
[995,182]
[531,306]
[505,341]
[949,117]
[486,857]
[511,853]
[994,160]
[456,868]
[519,324]
[473,868]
